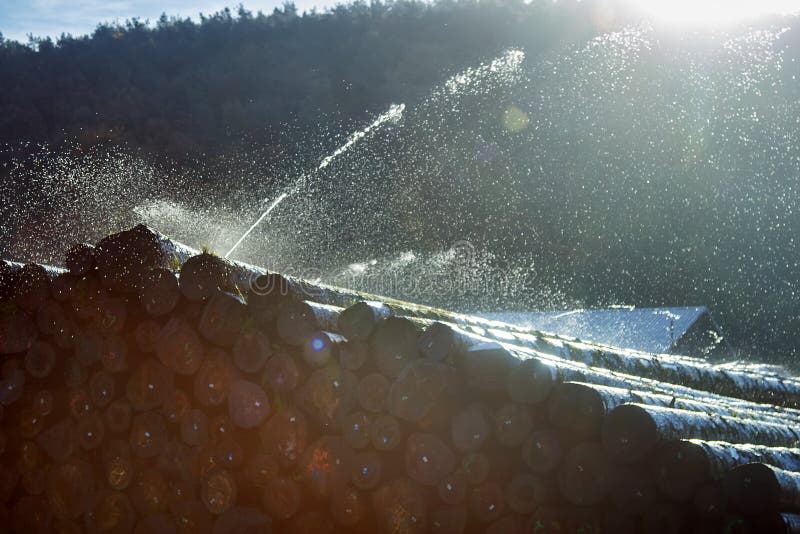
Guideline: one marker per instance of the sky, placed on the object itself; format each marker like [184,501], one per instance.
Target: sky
[18,18]
[51,18]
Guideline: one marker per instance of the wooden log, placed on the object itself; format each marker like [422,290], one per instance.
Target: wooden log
[578,409]
[219,491]
[393,345]
[756,488]
[542,451]
[618,522]
[387,434]
[679,467]
[428,459]
[357,322]
[631,431]
[12,386]
[251,350]
[530,382]
[149,385]
[30,285]
[8,270]
[353,355]
[110,511]
[471,427]
[585,476]
[80,259]
[526,492]
[329,394]
[146,335]
[475,466]
[366,470]
[297,320]
[62,286]
[666,518]
[634,491]
[241,519]
[677,370]
[348,508]
[123,258]
[557,361]
[205,274]
[356,429]
[159,293]
[486,367]
[178,347]
[373,389]
[265,297]
[710,501]
[282,498]
[452,488]
[512,424]
[487,502]
[281,373]
[325,467]
[285,436]
[321,348]
[17,330]
[213,380]
[194,428]
[248,405]
[49,317]
[223,319]
[148,436]
[400,507]
[40,360]
[548,519]
[449,520]
[424,393]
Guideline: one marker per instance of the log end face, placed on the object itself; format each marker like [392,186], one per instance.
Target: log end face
[629,433]
[357,321]
[753,488]
[436,342]
[576,410]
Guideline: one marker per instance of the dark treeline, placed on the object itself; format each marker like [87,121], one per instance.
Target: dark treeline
[178,87]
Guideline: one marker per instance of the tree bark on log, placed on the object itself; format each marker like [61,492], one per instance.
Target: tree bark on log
[679,467]
[631,431]
[357,322]
[755,488]
[578,409]
[393,345]
[564,369]
[585,476]
[80,259]
[123,258]
[439,341]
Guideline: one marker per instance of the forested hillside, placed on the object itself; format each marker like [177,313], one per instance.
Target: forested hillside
[177,86]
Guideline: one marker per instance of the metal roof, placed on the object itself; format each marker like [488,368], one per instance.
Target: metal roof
[655,330]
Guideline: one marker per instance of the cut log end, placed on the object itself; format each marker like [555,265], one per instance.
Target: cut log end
[629,433]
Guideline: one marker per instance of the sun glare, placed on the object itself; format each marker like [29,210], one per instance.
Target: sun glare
[713,12]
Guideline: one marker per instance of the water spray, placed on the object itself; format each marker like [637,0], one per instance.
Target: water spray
[393,114]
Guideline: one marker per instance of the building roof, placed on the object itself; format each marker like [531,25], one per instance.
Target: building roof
[654,330]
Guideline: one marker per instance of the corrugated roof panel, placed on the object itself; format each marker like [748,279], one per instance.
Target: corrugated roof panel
[648,329]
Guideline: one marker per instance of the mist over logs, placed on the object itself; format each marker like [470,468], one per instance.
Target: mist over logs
[152,387]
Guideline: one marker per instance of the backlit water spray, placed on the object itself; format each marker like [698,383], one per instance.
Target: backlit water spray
[393,114]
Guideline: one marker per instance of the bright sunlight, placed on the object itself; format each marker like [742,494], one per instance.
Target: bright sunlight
[713,12]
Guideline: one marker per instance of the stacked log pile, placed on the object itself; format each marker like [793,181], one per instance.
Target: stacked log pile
[149,387]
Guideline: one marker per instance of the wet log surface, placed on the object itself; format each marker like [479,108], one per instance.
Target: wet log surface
[157,388]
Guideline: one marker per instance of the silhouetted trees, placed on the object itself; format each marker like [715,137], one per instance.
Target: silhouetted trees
[179,87]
